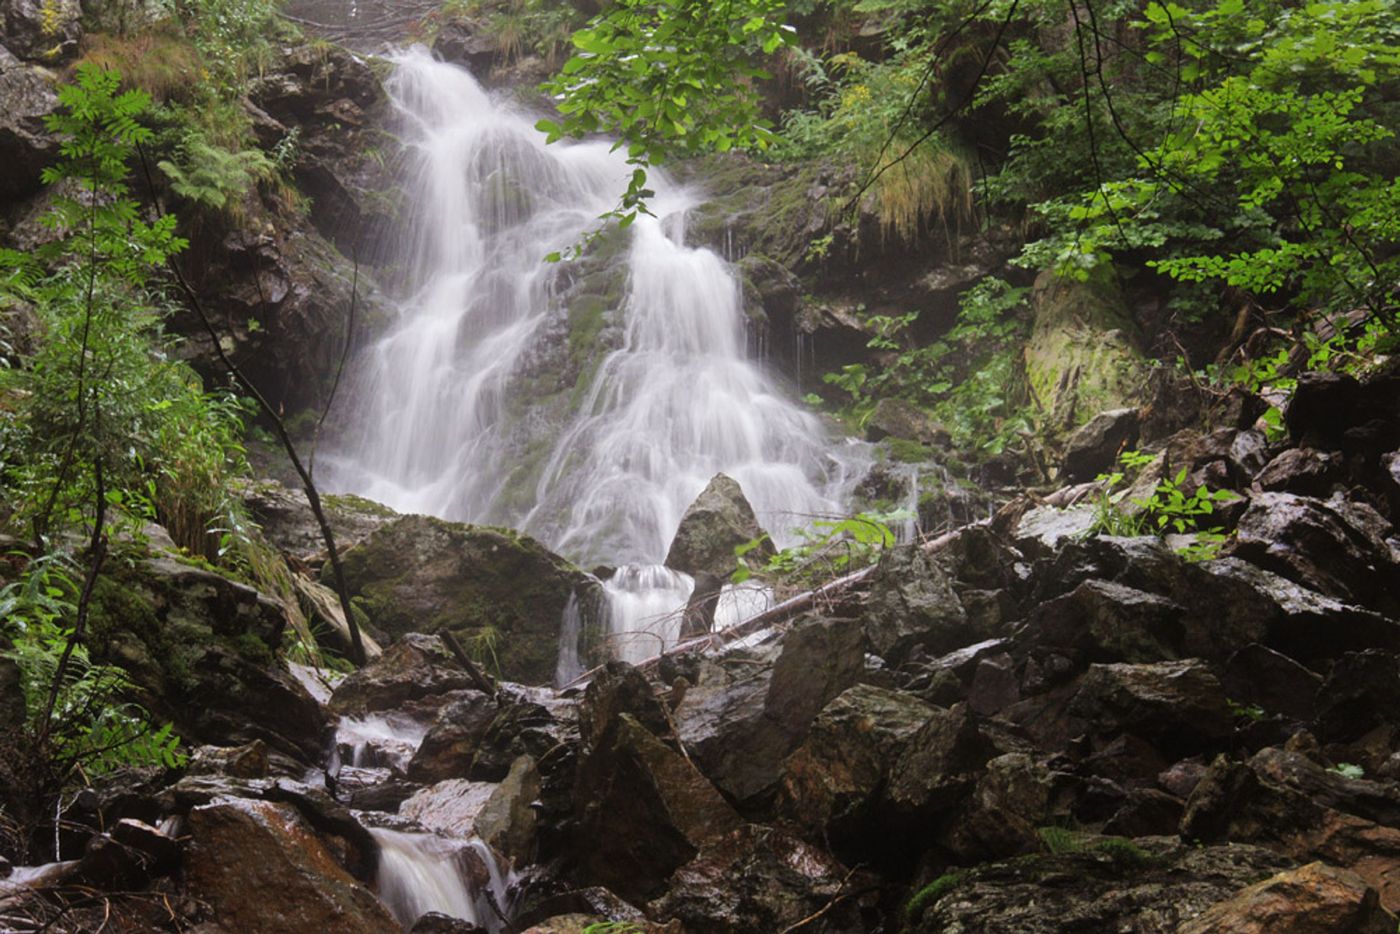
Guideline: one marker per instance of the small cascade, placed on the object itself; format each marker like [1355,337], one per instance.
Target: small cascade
[380,739]
[570,664]
[908,529]
[741,602]
[422,872]
[645,603]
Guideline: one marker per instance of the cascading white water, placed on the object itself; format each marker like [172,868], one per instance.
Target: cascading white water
[420,872]
[442,403]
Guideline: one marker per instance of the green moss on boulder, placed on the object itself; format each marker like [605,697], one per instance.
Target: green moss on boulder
[493,588]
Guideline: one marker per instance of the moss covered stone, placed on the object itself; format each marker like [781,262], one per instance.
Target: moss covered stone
[1083,355]
[495,589]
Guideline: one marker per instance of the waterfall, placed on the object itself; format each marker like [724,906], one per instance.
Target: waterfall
[456,416]
[570,664]
[421,872]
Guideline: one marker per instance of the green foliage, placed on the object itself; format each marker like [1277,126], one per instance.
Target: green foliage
[669,78]
[613,927]
[968,379]
[829,547]
[92,730]
[1060,840]
[1170,509]
[209,175]
[1348,770]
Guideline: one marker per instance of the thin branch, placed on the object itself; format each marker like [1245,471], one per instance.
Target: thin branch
[340,366]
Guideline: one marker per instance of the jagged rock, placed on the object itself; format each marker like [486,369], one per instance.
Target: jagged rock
[1362,691]
[1094,447]
[334,99]
[1276,683]
[240,847]
[1082,356]
[129,855]
[526,725]
[1334,410]
[1044,529]
[643,811]
[450,807]
[1178,705]
[1312,899]
[43,30]
[1104,621]
[719,520]
[1302,470]
[248,761]
[757,879]
[911,602]
[594,903]
[995,685]
[286,520]
[1337,547]
[199,650]
[1286,800]
[836,775]
[619,688]
[1150,884]
[940,763]
[26,97]
[437,923]
[416,668]
[450,746]
[423,574]
[897,418]
[714,525]
[507,821]
[740,736]
[1014,795]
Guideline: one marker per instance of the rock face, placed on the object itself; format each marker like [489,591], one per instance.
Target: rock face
[643,811]
[26,147]
[240,847]
[199,647]
[1312,898]
[489,587]
[42,30]
[285,518]
[1082,357]
[1151,885]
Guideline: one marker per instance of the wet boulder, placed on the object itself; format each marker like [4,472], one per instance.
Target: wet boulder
[449,807]
[1311,899]
[1302,470]
[261,867]
[284,515]
[450,745]
[1148,884]
[1342,549]
[642,811]
[508,822]
[911,603]
[1104,621]
[901,419]
[940,764]
[416,670]
[1335,411]
[1094,447]
[27,96]
[758,879]
[739,731]
[496,586]
[619,688]
[1288,800]
[529,722]
[719,521]
[1179,706]
[832,780]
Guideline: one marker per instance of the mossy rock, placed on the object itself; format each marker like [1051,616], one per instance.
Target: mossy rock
[500,592]
[1083,355]
[199,648]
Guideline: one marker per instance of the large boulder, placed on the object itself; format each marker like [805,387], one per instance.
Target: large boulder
[833,779]
[719,520]
[27,96]
[740,729]
[758,879]
[261,867]
[199,648]
[1341,548]
[1094,447]
[494,588]
[415,670]
[912,603]
[1178,706]
[642,811]
[1148,884]
[284,515]
[1082,357]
